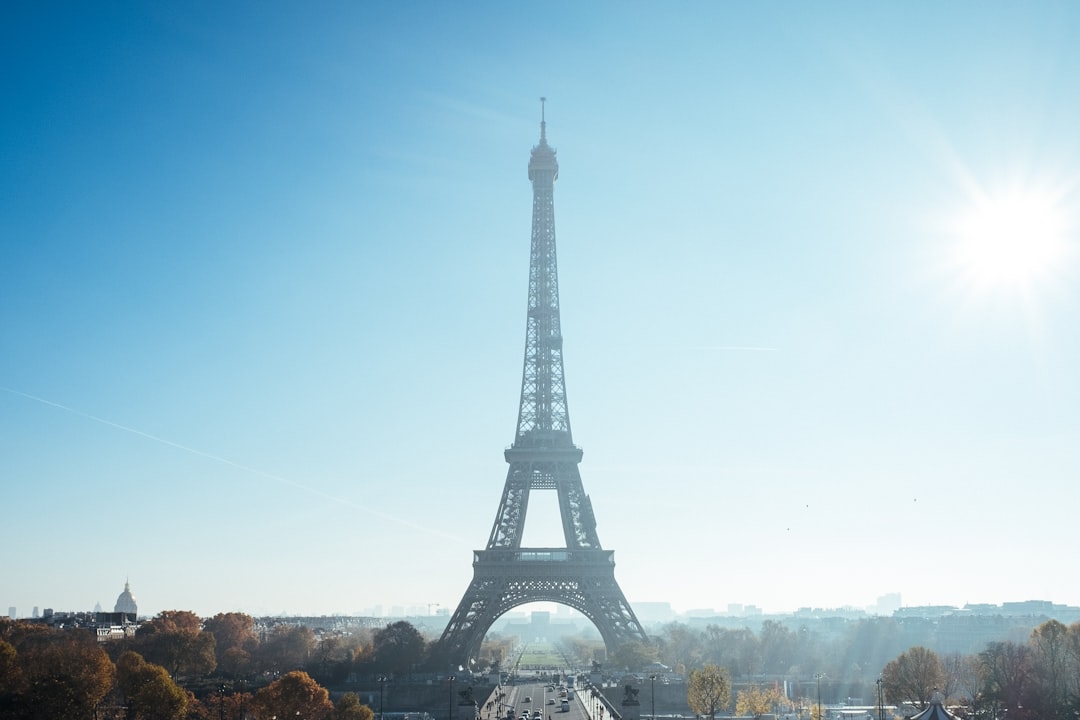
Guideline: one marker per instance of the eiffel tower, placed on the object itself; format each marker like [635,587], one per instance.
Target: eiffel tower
[580,575]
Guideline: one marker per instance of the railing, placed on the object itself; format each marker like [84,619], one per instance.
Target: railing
[546,555]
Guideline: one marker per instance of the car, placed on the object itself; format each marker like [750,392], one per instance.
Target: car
[527,699]
[551,701]
[537,715]
[565,706]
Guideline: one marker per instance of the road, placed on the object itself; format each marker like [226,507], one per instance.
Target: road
[531,697]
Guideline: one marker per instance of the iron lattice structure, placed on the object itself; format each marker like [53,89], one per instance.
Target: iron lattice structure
[543,457]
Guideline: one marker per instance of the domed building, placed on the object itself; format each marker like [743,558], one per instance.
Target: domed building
[126,602]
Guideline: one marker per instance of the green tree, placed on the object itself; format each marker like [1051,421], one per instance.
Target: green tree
[349,707]
[1052,672]
[149,691]
[708,690]
[294,694]
[287,648]
[633,655]
[731,648]
[681,645]
[1072,647]
[913,677]
[777,647]
[1007,672]
[398,647]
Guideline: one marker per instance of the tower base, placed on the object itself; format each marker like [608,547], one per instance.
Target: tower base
[505,579]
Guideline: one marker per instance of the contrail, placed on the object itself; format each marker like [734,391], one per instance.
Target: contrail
[737,347]
[231,463]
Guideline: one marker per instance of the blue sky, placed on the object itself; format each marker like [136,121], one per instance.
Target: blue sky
[263,278]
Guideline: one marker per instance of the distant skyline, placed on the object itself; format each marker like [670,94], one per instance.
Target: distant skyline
[263,276]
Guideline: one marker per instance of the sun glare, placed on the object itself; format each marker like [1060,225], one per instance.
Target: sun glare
[1011,242]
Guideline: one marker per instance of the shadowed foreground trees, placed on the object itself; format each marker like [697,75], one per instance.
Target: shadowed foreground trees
[54,676]
[49,673]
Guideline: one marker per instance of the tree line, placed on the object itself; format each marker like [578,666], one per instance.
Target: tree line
[178,666]
[739,670]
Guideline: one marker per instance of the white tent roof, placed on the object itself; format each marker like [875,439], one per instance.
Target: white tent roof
[934,712]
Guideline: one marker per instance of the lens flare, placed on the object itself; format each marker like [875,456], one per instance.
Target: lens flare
[1010,242]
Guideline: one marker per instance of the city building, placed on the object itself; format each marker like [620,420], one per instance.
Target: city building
[126,602]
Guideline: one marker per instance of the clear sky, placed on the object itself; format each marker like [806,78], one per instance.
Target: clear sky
[263,281]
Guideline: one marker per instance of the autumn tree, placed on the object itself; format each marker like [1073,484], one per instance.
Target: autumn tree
[294,694]
[235,642]
[175,640]
[756,700]
[913,677]
[66,675]
[221,705]
[149,692]
[10,674]
[349,707]
[708,690]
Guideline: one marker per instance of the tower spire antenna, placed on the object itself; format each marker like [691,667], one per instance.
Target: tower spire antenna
[543,122]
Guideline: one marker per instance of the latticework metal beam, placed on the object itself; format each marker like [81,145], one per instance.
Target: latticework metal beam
[543,457]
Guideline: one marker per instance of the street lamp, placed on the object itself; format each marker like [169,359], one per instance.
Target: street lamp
[818,678]
[880,701]
[652,687]
[382,685]
[450,713]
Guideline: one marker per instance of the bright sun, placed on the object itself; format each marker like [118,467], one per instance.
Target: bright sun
[1010,242]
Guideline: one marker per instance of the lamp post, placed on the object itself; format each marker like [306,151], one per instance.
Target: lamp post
[818,678]
[652,692]
[382,685]
[450,712]
[880,701]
